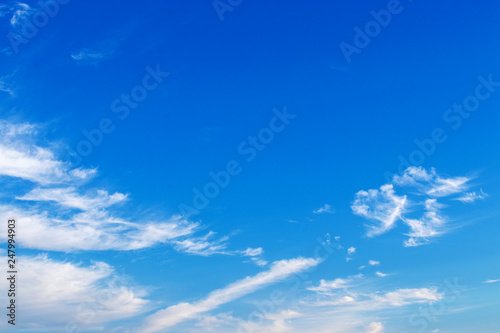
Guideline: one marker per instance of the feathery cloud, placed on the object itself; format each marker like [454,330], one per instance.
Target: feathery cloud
[94,226]
[382,206]
[94,56]
[255,255]
[20,11]
[176,314]
[470,197]
[325,209]
[22,158]
[430,183]
[69,197]
[328,286]
[94,230]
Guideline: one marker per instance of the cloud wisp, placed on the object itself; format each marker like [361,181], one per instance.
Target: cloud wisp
[60,292]
[384,207]
[93,56]
[178,313]
[63,212]
[326,209]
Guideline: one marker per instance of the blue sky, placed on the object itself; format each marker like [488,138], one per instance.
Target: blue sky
[246,166]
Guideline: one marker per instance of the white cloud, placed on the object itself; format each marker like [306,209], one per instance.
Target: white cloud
[337,306]
[69,197]
[215,323]
[21,158]
[93,56]
[10,130]
[373,262]
[95,230]
[325,209]
[350,252]
[19,11]
[470,197]
[250,252]
[347,303]
[176,314]
[431,183]
[87,56]
[375,327]
[279,321]
[6,86]
[382,206]
[429,225]
[58,293]
[203,246]
[328,286]
[381,274]
[255,256]
[402,297]
[385,208]
[491,281]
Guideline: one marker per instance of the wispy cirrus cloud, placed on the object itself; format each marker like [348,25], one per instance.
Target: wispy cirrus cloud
[18,12]
[384,207]
[342,305]
[178,313]
[326,287]
[203,246]
[402,297]
[93,56]
[7,86]
[429,225]
[22,157]
[492,281]
[326,209]
[471,197]
[430,183]
[255,255]
[64,213]
[94,230]
[381,206]
[69,197]
[370,300]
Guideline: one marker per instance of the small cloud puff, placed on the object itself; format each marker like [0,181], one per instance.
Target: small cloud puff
[326,209]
